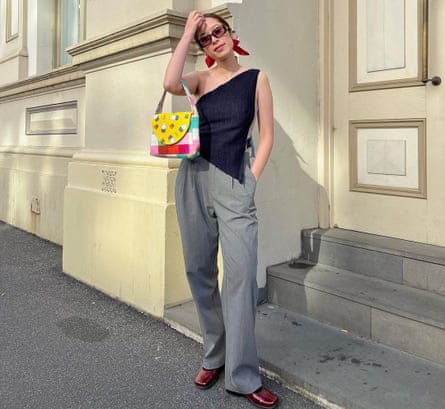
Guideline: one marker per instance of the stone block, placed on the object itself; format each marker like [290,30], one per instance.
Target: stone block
[343,313]
[426,276]
[360,260]
[425,341]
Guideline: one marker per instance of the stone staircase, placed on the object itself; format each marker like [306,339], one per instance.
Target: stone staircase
[384,289]
[329,315]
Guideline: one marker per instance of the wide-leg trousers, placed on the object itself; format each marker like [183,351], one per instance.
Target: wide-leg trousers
[214,208]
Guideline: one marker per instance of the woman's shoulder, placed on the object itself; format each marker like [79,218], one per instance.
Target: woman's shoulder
[262,77]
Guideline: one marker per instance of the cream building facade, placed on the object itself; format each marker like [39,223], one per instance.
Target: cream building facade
[79,80]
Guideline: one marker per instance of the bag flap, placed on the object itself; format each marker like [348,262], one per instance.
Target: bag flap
[170,127]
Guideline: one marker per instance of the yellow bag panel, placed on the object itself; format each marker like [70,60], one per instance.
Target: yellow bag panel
[170,127]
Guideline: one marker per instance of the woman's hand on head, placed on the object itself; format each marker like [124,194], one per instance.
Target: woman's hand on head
[194,20]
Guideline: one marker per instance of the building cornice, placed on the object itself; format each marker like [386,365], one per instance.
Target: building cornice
[149,35]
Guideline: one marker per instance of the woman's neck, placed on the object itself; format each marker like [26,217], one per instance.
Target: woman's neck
[228,67]
[229,63]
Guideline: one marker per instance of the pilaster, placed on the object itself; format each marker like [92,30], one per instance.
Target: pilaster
[120,228]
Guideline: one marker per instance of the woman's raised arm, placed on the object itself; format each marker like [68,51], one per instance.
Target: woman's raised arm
[175,68]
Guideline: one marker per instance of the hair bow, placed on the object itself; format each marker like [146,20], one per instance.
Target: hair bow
[210,61]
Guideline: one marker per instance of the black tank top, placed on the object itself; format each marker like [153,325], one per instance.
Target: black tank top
[226,115]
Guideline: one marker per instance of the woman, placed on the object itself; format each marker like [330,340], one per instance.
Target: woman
[215,202]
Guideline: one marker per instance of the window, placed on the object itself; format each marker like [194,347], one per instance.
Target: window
[70,27]
[12,19]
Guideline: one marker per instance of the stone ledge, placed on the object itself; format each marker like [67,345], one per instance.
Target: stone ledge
[363,305]
[39,151]
[141,158]
[401,300]
[61,78]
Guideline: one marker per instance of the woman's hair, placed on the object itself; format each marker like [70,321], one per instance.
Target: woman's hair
[216,17]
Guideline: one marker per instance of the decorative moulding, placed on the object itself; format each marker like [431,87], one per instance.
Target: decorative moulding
[388,157]
[388,43]
[60,118]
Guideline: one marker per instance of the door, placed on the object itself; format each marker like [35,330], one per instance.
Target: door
[388,143]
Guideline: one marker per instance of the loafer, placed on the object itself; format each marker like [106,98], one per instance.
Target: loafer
[263,398]
[206,378]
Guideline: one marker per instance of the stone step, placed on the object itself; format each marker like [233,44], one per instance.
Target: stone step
[335,368]
[400,261]
[406,318]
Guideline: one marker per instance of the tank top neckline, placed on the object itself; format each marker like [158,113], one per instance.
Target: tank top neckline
[225,83]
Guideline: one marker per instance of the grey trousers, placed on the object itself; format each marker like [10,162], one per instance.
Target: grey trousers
[213,207]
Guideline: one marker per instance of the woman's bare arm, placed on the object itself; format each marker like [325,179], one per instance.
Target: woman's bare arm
[265,125]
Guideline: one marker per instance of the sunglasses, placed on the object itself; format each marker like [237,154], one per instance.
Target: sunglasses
[218,32]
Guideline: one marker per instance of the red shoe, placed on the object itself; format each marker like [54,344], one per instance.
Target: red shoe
[263,398]
[206,378]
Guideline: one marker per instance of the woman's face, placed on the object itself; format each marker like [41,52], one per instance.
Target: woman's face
[214,37]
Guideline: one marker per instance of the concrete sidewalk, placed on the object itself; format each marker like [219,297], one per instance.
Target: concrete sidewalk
[64,345]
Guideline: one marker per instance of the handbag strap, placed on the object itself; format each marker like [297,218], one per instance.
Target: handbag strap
[189,97]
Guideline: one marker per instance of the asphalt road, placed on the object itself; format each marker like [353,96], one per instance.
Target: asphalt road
[64,345]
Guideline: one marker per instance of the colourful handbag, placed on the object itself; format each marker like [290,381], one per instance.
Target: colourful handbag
[175,134]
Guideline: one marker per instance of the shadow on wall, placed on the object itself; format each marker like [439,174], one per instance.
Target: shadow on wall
[282,38]
[287,202]
[285,198]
